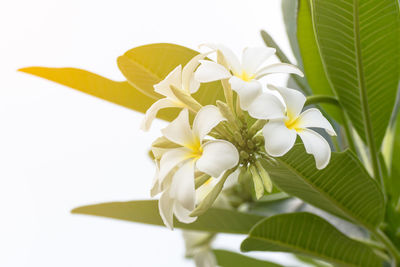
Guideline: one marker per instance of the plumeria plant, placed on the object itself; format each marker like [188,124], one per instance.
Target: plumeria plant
[311,167]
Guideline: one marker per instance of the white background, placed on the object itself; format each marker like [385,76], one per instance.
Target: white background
[60,149]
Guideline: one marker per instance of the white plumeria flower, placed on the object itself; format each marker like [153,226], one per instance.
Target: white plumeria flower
[243,76]
[182,79]
[198,246]
[280,133]
[175,176]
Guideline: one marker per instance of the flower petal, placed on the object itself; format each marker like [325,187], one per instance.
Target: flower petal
[247,91]
[313,118]
[316,145]
[209,71]
[155,188]
[182,186]
[278,68]
[253,57]
[152,112]
[182,214]
[278,138]
[230,57]
[165,207]
[190,84]
[205,258]
[179,131]
[172,159]
[173,78]
[206,119]
[294,100]
[267,106]
[232,179]
[218,156]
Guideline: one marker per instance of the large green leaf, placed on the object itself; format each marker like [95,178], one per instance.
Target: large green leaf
[146,211]
[393,181]
[313,67]
[120,93]
[308,234]
[289,13]
[231,259]
[147,65]
[359,44]
[343,188]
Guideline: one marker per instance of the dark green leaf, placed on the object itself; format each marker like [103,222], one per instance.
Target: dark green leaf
[308,234]
[343,188]
[231,259]
[359,44]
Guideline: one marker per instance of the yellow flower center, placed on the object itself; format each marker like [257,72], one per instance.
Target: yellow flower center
[197,149]
[292,122]
[245,76]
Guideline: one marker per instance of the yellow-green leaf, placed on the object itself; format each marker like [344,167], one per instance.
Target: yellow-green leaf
[147,65]
[120,93]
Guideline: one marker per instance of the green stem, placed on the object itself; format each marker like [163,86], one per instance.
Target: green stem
[388,244]
[317,99]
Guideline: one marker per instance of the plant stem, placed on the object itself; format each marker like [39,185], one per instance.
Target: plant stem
[317,99]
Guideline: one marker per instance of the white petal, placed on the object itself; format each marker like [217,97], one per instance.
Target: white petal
[152,112]
[279,68]
[179,131]
[294,100]
[206,119]
[316,145]
[278,138]
[182,214]
[172,159]
[247,91]
[190,84]
[253,57]
[182,186]
[205,258]
[173,78]
[267,106]
[155,188]
[209,71]
[218,156]
[229,56]
[165,207]
[313,118]
[232,179]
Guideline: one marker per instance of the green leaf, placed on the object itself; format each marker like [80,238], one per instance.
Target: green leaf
[343,188]
[231,259]
[393,181]
[147,65]
[289,13]
[313,68]
[120,93]
[308,234]
[359,44]
[146,211]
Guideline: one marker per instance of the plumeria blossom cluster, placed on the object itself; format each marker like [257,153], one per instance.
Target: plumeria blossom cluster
[227,140]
